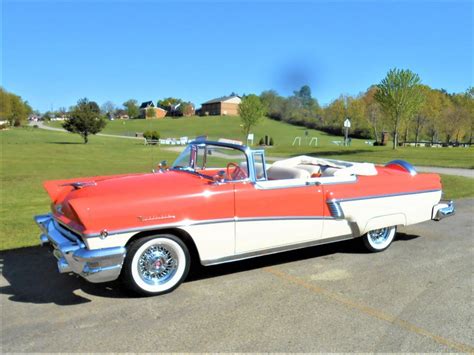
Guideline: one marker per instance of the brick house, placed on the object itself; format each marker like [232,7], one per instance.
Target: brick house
[149,111]
[225,106]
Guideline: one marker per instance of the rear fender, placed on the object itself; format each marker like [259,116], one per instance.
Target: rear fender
[398,219]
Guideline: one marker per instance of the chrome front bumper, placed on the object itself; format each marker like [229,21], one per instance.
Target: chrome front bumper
[99,265]
[442,210]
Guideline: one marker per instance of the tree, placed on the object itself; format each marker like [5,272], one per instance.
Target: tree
[85,119]
[251,111]
[5,105]
[373,111]
[400,97]
[108,108]
[13,108]
[20,111]
[304,95]
[469,95]
[132,108]
[170,104]
[186,109]
[150,112]
[273,103]
[335,113]
[47,116]
[456,118]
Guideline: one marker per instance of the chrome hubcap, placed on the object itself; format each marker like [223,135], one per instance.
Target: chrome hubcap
[379,236]
[157,264]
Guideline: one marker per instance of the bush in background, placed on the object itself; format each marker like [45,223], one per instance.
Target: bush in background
[151,135]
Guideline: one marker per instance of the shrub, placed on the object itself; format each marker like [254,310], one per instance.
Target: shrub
[271,141]
[152,135]
[261,141]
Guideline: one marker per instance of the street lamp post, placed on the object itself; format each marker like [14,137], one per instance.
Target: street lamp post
[347,125]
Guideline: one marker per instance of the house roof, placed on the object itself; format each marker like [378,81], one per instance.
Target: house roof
[221,99]
[147,104]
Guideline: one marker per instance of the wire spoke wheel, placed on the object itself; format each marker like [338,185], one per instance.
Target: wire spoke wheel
[379,239]
[378,236]
[156,265]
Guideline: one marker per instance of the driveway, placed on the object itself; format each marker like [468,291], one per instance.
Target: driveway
[49,128]
[414,297]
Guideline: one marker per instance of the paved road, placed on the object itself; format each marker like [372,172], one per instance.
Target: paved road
[43,126]
[415,297]
[448,171]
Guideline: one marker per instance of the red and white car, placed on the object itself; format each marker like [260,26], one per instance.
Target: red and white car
[222,202]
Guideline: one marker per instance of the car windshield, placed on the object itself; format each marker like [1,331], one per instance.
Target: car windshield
[210,161]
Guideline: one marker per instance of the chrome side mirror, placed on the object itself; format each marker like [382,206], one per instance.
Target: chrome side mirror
[162,167]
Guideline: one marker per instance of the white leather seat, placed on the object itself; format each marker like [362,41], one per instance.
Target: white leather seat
[281,173]
[311,169]
[329,171]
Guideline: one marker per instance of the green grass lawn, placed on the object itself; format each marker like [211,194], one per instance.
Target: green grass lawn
[31,156]
[283,135]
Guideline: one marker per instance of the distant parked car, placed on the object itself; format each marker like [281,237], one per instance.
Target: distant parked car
[222,202]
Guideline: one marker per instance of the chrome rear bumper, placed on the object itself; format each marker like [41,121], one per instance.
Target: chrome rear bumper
[100,265]
[442,210]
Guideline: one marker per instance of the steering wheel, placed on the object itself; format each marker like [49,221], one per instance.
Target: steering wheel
[237,174]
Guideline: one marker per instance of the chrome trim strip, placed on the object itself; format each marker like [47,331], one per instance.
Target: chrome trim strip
[258,186]
[353,180]
[184,223]
[403,164]
[384,195]
[275,250]
[295,218]
[319,181]
[188,223]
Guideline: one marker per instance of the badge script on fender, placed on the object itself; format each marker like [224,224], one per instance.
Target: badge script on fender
[154,218]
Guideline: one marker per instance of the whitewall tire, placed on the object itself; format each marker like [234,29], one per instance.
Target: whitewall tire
[379,239]
[156,265]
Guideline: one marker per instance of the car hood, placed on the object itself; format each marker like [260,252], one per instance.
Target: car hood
[90,205]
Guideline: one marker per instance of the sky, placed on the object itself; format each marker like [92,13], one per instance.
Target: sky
[56,52]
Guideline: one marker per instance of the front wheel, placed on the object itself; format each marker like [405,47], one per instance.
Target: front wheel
[379,239]
[156,265]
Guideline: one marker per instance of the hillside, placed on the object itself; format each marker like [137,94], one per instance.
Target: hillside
[216,127]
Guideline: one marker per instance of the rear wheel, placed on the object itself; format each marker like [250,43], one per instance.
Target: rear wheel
[156,265]
[379,239]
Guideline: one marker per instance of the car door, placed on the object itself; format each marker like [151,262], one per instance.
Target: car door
[268,216]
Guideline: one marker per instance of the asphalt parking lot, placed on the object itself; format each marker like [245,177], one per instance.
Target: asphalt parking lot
[415,297]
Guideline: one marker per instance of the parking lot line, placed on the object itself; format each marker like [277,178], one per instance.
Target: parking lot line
[369,310]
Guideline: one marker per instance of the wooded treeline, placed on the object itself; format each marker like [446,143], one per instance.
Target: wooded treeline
[441,117]
[13,108]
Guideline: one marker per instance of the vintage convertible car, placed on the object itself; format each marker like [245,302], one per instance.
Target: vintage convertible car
[222,202]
